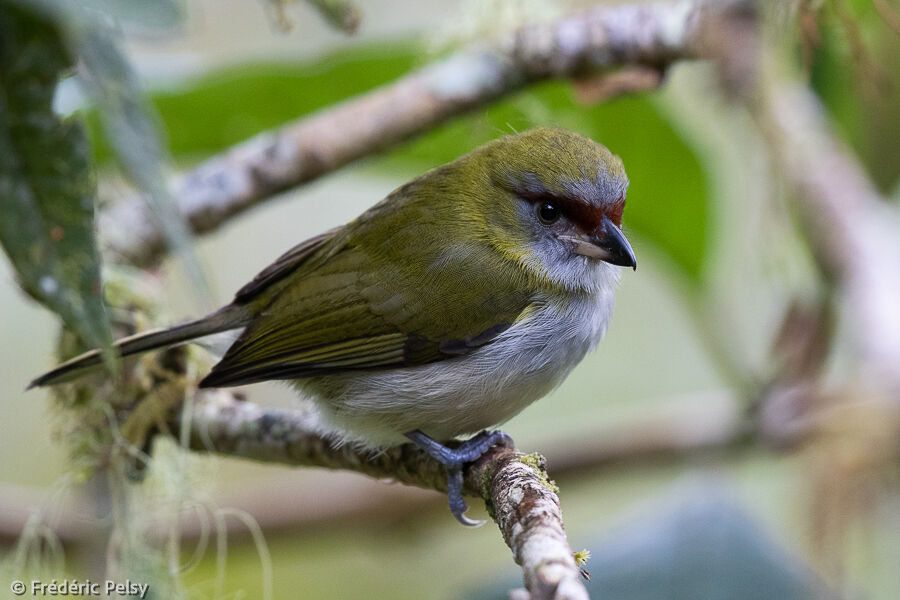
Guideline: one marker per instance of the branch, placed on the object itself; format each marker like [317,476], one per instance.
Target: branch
[519,494]
[663,437]
[852,233]
[651,34]
[852,229]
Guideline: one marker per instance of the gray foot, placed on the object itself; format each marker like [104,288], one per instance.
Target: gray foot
[454,459]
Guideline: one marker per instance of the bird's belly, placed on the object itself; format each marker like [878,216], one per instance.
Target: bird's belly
[466,394]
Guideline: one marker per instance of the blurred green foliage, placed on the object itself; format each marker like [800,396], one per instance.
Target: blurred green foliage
[855,69]
[132,132]
[212,112]
[47,188]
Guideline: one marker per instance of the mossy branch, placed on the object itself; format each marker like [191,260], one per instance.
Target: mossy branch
[521,497]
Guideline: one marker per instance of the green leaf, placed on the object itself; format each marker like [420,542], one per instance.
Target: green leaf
[130,129]
[47,188]
[856,72]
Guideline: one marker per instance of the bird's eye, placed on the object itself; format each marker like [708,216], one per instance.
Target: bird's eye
[548,213]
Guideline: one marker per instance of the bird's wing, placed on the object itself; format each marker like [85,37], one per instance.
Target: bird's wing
[283,266]
[364,310]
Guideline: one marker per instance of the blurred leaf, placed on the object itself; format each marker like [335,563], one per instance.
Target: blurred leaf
[158,14]
[109,79]
[46,184]
[856,72]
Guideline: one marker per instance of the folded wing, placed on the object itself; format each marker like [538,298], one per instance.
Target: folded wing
[355,311]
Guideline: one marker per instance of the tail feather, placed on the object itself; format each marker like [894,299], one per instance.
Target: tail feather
[225,319]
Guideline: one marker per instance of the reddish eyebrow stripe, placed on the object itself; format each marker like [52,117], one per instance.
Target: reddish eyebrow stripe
[585,216]
[615,213]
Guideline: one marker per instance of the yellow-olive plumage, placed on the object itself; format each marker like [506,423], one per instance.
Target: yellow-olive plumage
[446,308]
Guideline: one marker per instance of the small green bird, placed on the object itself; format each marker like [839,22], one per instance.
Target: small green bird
[443,310]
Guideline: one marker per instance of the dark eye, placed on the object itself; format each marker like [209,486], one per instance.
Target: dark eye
[548,213]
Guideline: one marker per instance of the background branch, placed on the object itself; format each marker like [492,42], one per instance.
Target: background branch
[648,34]
[851,228]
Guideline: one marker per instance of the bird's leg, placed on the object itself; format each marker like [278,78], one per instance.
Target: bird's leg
[454,459]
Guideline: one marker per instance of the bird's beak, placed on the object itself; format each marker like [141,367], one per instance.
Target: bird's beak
[607,243]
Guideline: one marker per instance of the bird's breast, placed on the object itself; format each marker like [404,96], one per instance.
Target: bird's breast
[466,394]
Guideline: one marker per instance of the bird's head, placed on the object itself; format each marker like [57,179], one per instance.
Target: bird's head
[558,207]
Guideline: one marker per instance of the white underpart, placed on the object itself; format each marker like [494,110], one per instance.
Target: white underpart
[466,394]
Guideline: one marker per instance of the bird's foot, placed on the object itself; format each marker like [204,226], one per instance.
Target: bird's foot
[454,459]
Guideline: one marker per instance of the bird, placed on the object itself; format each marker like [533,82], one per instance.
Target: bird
[441,311]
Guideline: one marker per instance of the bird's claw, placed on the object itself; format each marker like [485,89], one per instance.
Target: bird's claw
[454,459]
[455,499]
[462,518]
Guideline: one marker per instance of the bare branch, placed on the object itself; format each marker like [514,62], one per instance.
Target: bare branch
[852,233]
[888,15]
[852,229]
[651,34]
[630,80]
[519,494]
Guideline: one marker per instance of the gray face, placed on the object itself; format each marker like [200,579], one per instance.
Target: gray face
[568,194]
[575,227]
[556,257]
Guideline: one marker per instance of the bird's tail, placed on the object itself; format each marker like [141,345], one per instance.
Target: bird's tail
[224,319]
